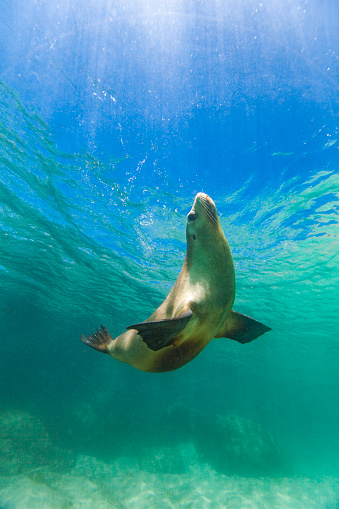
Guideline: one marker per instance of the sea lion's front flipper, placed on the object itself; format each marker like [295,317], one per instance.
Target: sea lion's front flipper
[241,328]
[159,334]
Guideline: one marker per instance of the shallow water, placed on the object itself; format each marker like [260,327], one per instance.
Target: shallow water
[94,194]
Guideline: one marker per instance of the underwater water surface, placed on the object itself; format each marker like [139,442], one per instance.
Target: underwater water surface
[112,118]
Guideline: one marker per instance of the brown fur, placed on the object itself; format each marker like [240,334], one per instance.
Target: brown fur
[206,285]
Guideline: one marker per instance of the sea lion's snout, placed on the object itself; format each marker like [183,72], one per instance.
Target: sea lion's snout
[204,204]
[204,199]
[203,196]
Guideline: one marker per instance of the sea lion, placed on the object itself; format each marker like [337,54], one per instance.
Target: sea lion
[197,309]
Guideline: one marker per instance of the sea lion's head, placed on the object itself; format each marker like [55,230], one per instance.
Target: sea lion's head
[203,218]
[207,247]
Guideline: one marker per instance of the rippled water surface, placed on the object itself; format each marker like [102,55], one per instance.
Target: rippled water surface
[100,159]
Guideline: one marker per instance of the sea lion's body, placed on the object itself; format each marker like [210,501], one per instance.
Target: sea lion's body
[197,309]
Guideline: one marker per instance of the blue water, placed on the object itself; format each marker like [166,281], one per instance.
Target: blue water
[113,115]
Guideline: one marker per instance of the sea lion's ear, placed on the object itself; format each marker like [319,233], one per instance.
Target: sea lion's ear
[241,328]
[162,333]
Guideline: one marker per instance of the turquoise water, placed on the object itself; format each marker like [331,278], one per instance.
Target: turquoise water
[80,247]
[94,194]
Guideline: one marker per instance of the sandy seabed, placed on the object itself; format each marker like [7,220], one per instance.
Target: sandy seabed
[37,474]
[92,483]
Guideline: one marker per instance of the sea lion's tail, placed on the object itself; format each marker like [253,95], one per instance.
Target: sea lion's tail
[99,340]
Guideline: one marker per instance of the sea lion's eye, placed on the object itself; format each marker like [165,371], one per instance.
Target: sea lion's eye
[192,216]
[194,237]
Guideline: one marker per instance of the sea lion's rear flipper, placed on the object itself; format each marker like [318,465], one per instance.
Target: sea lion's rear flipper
[241,328]
[99,340]
[162,333]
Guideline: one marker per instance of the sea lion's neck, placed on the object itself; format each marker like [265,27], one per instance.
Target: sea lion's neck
[201,253]
[209,254]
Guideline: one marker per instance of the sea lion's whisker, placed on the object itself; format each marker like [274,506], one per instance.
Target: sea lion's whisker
[207,209]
